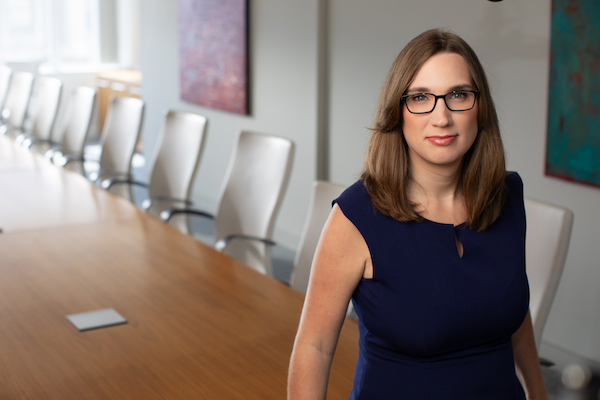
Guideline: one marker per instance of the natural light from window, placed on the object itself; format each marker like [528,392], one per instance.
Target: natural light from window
[59,35]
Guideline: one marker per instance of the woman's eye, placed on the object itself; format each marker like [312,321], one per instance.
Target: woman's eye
[418,98]
[458,95]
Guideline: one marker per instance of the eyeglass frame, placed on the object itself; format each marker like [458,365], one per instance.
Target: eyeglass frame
[436,97]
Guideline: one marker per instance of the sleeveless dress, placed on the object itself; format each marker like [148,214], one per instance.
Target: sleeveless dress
[434,325]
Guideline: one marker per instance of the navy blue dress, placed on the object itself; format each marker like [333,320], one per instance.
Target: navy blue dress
[434,325]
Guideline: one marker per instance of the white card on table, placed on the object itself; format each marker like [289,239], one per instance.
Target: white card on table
[96,319]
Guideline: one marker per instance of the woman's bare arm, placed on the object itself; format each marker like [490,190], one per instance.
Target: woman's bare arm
[338,266]
[527,361]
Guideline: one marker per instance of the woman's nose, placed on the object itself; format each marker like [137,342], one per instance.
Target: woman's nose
[441,115]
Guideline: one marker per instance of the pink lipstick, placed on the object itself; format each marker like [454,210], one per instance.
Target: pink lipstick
[442,140]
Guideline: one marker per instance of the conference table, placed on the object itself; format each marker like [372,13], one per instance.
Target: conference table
[200,325]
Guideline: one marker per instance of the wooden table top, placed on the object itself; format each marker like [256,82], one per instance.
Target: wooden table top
[200,325]
[51,197]
[17,158]
[35,194]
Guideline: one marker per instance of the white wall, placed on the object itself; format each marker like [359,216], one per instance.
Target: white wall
[283,76]
[512,40]
[128,33]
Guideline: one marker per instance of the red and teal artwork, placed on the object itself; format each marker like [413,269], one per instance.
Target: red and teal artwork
[573,146]
[213,59]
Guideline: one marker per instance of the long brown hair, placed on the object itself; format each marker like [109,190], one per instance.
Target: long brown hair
[386,171]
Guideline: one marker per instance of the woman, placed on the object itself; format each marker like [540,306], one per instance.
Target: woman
[430,246]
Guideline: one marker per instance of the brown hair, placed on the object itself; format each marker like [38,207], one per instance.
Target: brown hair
[386,171]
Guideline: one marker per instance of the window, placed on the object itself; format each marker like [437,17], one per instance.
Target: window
[77,32]
[61,34]
[23,30]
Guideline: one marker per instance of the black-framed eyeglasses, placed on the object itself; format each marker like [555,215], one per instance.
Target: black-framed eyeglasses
[456,100]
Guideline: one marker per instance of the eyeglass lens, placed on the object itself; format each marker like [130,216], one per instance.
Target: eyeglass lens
[455,101]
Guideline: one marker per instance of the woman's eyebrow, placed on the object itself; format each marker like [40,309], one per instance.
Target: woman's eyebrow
[422,89]
[466,86]
[417,90]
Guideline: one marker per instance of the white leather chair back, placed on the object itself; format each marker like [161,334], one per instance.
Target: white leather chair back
[548,235]
[120,135]
[47,99]
[5,74]
[179,149]
[323,194]
[17,98]
[81,108]
[255,183]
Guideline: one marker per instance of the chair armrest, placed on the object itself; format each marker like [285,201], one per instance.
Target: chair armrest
[30,141]
[97,177]
[52,152]
[222,243]
[147,203]
[73,158]
[167,214]
[21,137]
[108,182]
[5,128]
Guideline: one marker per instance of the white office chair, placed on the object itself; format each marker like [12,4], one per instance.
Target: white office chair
[70,138]
[118,140]
[77,126]
[252,192]
[180,146]
[323,193]
[548,235]
[5,75]
[46,102]
[16,102]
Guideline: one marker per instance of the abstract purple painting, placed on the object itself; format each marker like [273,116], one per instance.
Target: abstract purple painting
[573,147]
[213,53]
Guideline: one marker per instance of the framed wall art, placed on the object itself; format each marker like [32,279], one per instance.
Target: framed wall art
[213,53]
[573,146]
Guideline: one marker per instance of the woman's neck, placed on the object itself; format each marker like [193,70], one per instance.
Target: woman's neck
[434,191]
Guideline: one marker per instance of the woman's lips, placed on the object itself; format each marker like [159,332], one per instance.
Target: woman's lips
[442,140]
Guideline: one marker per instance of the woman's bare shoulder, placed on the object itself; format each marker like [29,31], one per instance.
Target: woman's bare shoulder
[339,226]
[342,245]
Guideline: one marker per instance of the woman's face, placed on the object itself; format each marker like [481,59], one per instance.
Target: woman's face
[441,137]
